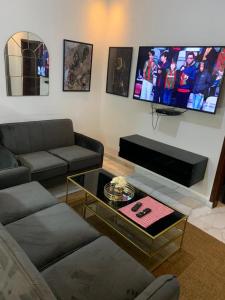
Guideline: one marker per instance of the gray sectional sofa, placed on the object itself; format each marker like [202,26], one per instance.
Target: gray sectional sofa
[10,171]
[47,251]
[47,149]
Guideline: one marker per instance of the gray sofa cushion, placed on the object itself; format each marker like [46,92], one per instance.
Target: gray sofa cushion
[78,157]
[52,233]
[14,176]
[20,201]
[43,165]
[100,270]
[34,136]
[7,159]
[163,287]
[20,280]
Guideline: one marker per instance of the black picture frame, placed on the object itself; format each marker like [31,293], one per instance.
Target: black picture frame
[77,65]
[118,73]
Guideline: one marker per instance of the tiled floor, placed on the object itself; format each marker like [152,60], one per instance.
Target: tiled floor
[117,167]
[210,220]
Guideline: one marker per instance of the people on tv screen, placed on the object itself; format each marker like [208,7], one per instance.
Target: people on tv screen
[185,77]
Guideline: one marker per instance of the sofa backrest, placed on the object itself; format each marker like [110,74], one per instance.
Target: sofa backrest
[19,278]
[33,136]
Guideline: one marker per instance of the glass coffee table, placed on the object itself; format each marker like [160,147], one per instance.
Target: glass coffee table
[158,241]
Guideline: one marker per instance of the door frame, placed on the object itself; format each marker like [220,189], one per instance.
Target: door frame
[219,178]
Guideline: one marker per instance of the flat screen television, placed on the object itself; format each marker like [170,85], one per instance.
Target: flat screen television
[183,77]
[43,63]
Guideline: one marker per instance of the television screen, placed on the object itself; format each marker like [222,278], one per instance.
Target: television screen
[184,77]
[43,62]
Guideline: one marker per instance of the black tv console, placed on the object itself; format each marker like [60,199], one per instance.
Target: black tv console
[179,165]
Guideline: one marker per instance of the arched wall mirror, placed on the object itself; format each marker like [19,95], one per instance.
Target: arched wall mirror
[26,65]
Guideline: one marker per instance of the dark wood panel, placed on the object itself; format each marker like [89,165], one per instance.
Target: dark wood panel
[219,180]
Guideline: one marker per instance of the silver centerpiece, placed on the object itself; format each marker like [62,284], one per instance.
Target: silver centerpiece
[119,194]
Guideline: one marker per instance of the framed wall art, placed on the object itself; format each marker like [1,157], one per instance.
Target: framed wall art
[77,62]
[118,74]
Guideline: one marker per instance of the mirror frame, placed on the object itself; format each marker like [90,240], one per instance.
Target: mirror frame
[26,65]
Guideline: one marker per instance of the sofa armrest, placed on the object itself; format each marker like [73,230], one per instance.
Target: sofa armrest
[14,176]
[89,143]
[165,287]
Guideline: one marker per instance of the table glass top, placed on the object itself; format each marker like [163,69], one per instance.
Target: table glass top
[94,181]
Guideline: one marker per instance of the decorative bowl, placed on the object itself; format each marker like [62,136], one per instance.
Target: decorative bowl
[122,194]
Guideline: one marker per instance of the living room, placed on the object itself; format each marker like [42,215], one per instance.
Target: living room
[106,117]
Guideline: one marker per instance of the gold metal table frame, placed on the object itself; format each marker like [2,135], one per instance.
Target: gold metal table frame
[158,248]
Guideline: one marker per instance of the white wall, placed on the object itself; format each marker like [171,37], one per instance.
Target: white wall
[160,22]
[116,23]
[53,21]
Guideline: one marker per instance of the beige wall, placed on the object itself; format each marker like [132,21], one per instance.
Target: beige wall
[160,22]
[53,21]
[116,23]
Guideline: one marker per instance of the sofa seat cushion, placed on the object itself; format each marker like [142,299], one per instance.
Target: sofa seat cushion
[77,157]
[100,270]
[22,200]
[43,165]
[52,233]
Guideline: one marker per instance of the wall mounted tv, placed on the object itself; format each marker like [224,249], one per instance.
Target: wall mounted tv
[184,77]
[43,62]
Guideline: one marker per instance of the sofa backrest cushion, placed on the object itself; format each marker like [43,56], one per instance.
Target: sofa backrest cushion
[33,136]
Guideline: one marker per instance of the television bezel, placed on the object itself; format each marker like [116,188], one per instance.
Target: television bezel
[185,108]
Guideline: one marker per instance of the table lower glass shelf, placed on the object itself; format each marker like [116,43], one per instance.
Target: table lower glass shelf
[158,248]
